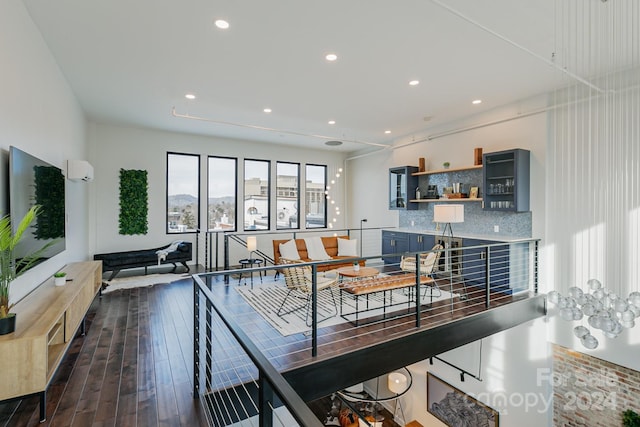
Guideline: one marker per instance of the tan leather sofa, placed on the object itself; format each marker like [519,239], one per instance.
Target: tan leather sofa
[330,246]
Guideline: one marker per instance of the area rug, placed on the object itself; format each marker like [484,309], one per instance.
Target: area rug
[267,298]
[142,281]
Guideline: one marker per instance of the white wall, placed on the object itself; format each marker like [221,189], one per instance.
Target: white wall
[115,147]
[40,115]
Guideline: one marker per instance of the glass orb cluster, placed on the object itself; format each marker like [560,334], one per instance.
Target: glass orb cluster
[604,310]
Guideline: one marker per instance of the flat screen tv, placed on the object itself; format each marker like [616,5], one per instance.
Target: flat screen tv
[35,182]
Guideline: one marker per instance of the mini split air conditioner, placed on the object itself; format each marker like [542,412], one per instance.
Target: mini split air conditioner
[79,170]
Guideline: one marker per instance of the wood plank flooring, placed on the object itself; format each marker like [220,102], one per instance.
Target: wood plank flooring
[134,367]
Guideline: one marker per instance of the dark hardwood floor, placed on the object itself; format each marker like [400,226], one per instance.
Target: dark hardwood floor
[134,367]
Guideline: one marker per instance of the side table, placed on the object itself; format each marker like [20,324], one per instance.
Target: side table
[250,263]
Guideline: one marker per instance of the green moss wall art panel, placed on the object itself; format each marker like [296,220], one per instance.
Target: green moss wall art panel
[49,195]
[134,206]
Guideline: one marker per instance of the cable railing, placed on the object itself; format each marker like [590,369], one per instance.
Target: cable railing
[220,246]
[240,346]
[233,380]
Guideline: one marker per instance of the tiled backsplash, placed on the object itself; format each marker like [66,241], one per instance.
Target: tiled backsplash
[476,220]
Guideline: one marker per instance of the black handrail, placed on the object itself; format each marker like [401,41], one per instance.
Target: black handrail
[269,377]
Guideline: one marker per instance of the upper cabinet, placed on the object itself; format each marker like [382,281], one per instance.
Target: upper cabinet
[506,180]
[402,187]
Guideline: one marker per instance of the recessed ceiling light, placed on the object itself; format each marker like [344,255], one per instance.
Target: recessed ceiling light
[190,96]
[332,122]
[414,82]
[331,57]
[333,144]
[222,24]
[387,131]
[476,101]
[267,110]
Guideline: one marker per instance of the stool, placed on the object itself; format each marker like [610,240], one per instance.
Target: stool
[249,263]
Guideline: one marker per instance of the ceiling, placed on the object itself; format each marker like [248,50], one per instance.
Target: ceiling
[132,62]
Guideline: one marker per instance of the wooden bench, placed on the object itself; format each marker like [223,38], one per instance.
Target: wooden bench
[384,284]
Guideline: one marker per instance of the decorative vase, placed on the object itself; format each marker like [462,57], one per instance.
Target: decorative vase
[8,324]
[59,281]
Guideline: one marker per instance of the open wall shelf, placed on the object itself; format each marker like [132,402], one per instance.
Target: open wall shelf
[431,172]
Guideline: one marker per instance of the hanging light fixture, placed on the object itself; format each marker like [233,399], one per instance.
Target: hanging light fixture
[597,231]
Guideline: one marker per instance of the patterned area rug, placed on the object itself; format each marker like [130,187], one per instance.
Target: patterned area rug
[142,281]
[266,299]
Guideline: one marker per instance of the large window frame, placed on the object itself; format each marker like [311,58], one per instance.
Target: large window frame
[182,221]
[223,219]
[287,195]
[315,196]
[257,196]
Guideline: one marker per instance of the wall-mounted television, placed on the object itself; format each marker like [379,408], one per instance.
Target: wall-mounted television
[35,182]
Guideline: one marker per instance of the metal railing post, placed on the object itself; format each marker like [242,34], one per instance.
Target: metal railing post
[487,262]
[314,310]
[265,402]
[226,257]
[418,302]
[535,267]
[196,340]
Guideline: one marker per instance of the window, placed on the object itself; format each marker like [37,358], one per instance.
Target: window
[183,193]
[315,203]
[222,201]
[287,195]
[256,194]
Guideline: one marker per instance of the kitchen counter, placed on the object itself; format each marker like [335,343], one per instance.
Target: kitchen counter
[491,237]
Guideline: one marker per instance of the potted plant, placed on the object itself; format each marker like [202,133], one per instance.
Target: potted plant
[446,165]
[630,418]
[9,268]
[59,278]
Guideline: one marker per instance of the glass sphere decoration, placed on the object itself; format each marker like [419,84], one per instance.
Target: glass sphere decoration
[620,306]
[580,331]
[599,294]
[634,298]
[594,284]
[629,324]
[553,297]
[566,314]
[604,309]
[577,313]
[589,341]
[588,309]
[575,292]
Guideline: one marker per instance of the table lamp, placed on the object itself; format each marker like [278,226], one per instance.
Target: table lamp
[252,245]
[448,214]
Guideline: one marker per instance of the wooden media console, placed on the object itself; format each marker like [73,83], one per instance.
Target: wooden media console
[47,320]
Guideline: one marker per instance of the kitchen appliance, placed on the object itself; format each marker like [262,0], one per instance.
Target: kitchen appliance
[432,192]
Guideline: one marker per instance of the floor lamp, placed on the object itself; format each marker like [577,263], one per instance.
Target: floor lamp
[361,239]
[398,384]
[448,214]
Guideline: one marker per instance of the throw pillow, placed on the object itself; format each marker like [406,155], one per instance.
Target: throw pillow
[347,247]
[289,250]
[315,249]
